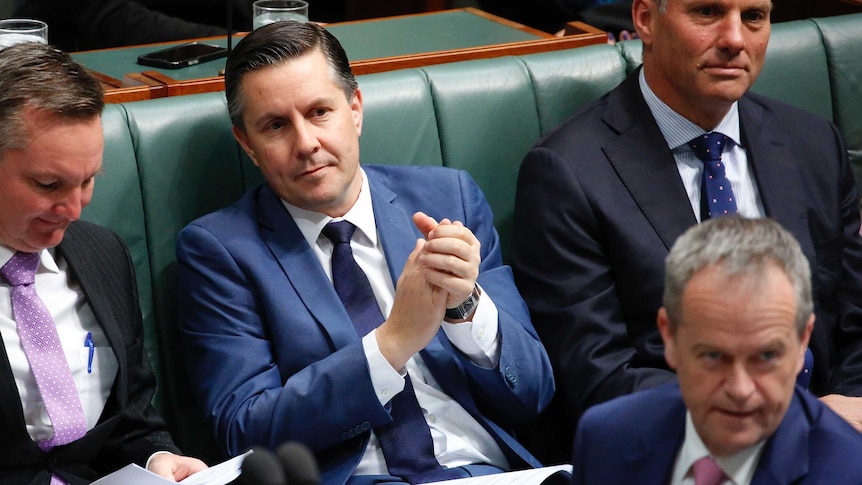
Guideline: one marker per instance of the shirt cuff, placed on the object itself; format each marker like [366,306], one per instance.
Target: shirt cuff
[153,456]
[387,381]
[478,339]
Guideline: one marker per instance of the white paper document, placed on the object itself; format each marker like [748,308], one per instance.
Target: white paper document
[221,474]
[535,476]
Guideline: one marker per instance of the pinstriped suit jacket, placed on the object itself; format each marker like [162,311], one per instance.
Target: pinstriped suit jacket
[130,429]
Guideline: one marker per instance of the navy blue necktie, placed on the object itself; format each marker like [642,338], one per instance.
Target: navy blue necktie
[406,440]
[715,188]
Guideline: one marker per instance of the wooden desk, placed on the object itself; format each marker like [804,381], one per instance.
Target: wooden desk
[372,45]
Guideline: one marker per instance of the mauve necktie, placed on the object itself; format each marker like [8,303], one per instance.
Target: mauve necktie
[44,353]
[707,472]
[716,189]
[406,441]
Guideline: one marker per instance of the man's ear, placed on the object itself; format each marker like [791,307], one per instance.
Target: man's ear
[242,138]
[356,109]
[806,337]
[667,337]
[643,12]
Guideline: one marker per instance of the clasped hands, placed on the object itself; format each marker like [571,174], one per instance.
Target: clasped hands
[440,273]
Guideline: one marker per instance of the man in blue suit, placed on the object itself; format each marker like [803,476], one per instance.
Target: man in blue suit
[736,320]
[268,320]
[601,200]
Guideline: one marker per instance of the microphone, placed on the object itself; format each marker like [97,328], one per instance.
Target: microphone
[299,464]
[262,467]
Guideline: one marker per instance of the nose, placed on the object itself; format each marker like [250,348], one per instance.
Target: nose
[72,202]
[739,385]
[306,139]
[732,38]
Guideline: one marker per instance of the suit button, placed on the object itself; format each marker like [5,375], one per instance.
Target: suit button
[366,426]
[511,376]
[345,436]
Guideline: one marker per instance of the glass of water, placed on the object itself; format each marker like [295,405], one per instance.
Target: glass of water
[15,31]
[269,11]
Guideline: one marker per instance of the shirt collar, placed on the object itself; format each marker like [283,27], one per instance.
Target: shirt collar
[677,129]
[360,215]
[46,259]
[739,467]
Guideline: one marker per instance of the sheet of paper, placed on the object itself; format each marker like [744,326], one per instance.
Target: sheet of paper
[520,477]
[220,474]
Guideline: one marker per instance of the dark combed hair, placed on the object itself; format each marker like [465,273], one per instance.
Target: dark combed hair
[276,43]
[42,77]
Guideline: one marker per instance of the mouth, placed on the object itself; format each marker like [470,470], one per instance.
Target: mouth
[316,170]
[736,414]
[725,70]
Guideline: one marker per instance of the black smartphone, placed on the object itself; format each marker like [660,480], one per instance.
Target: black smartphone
[182,55]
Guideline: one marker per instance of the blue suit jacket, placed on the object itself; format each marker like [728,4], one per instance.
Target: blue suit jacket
[599,204]
[272,353]
[615,444]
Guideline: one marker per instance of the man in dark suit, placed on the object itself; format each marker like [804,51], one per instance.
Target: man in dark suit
[601,200]
[74,378]
[278,345]
[736,320]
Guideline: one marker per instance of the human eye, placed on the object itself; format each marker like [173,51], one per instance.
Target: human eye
[711,357]
[755,16]
[274,125]
[318,112]
[46,185]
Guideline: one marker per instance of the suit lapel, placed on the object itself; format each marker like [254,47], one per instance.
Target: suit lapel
[775,171]
[85,265]
[785,456]
[302,269]
[644,163]
[395,226]
[651,456]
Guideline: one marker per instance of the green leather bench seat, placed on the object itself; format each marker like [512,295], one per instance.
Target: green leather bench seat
[171,160]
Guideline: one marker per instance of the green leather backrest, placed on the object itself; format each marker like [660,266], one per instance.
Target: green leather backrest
[563,83]
[117,203]
[795,70]
[841,36]
[399,126]
[189,165]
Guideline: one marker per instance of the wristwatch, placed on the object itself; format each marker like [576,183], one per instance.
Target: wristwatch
[464,310]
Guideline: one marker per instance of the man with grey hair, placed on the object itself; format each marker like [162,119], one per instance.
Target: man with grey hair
[736,320]
[66,286]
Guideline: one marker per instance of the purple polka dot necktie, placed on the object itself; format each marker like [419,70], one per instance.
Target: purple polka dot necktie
[715,188]
[406,440]
[44,353]
[707,472]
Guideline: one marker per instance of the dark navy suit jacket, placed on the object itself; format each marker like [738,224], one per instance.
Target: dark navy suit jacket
[271,350]
[599,204]
[635,439]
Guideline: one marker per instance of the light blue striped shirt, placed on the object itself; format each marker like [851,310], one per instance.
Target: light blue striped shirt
[678,131]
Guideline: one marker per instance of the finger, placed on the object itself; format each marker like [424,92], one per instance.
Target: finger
[424,223]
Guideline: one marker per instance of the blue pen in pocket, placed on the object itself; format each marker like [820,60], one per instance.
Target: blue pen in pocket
[88,342]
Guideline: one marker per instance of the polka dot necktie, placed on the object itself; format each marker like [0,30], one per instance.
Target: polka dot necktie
[707,472]
[715,188]
[406,440]
[44,353]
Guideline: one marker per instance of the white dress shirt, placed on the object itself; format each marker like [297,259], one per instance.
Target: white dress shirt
[739,468]
[74,319]
[678,131]
[458,438]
